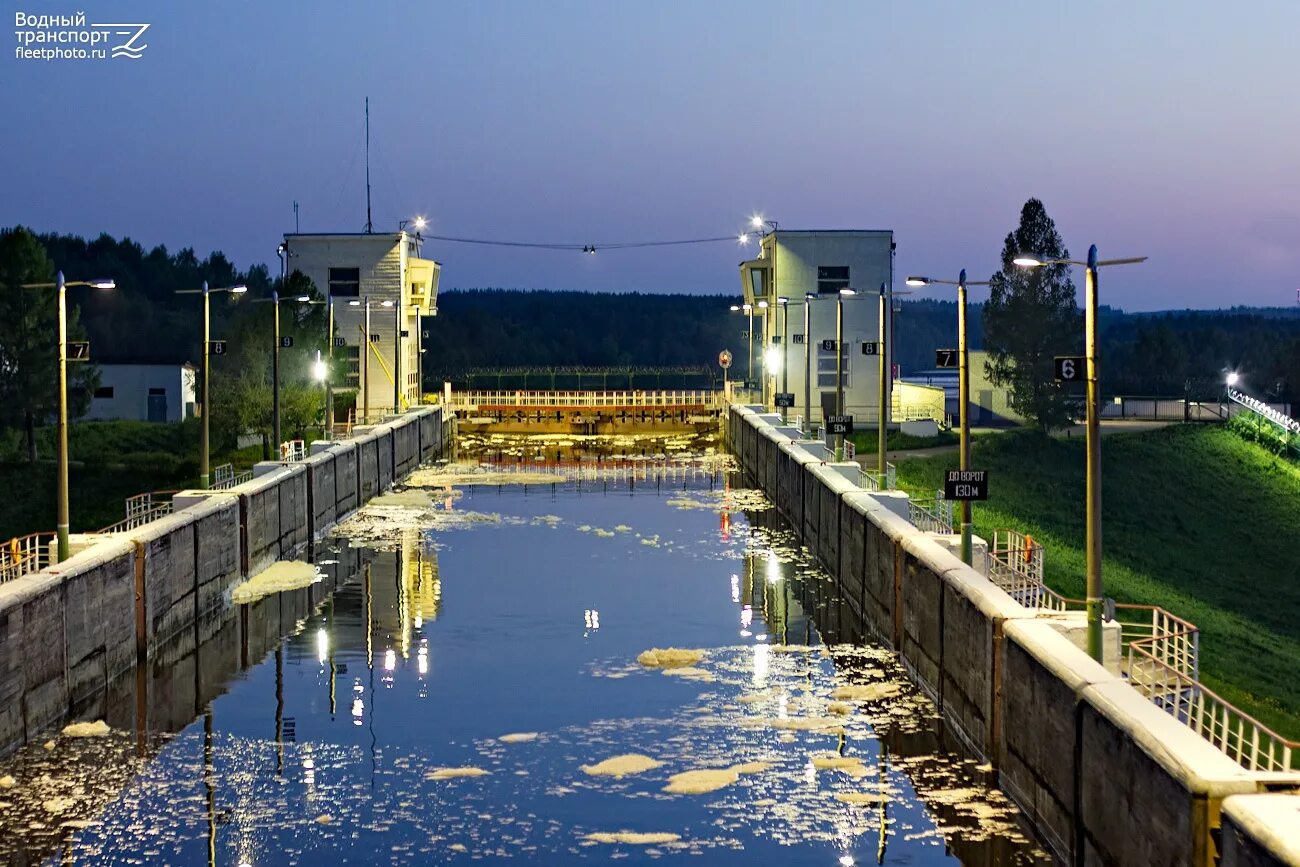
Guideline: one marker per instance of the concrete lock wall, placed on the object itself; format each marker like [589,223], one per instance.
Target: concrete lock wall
[64,633]
[346,482]
[158,590]
[322,492]
[1104,775]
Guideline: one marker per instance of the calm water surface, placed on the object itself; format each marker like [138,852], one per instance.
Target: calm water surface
[480,611]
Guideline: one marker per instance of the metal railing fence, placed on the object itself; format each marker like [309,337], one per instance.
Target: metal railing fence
[588,399]
[24,555]
[931,514]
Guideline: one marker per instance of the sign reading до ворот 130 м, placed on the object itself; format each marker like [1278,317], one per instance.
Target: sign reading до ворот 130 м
[55,36]
[966,485]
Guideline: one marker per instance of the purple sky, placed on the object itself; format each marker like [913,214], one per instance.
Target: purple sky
[1164,128]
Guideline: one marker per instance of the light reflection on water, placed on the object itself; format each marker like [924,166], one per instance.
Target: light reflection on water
[321,748]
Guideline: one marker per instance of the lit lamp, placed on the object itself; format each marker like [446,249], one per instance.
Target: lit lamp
[62,286]
[1096,598]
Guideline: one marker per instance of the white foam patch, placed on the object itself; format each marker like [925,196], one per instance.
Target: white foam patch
[633,838]
[96,729]
[669,657]
[711,779]
[518,738]
[276,578]
[622,766]
[454,773]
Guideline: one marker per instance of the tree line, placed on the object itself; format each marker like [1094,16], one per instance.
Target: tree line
[1031,316]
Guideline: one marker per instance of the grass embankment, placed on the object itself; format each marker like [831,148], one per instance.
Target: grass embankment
[865,441]
[1195,520]
[111,460]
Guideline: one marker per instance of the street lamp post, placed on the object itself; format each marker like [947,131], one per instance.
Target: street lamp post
[62,520]
[808,299]
[749,352]
[839,365]
[329,369]
[882,417]
[1096,590]
[397,358]
[963,390]
[205,405]
[785,353]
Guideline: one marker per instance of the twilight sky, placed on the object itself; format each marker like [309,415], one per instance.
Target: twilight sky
[1170,129]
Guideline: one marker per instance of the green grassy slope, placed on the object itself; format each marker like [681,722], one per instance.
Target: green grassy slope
[1194,520]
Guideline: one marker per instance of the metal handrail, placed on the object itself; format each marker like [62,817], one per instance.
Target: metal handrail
[1236,733]
[1016,565]
[1162,662]
[931,514]
[616,399]
[24,555]
[224,476]
[141,509]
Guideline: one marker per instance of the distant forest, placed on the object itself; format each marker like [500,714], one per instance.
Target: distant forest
[1160,353]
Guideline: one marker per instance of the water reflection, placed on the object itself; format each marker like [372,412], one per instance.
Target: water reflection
[313,725]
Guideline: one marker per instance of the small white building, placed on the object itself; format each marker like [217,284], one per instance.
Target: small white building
[794,265]
[402,288]
[144,392]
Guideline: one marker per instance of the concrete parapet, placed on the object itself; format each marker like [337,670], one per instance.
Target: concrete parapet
[322,492]
[831,485]
[367,444]
[1038,757]
[346,485]
[97,592]
[1104,775]
[165,563]
[921,608]
[33,613]
[975,613]
[406,445]
[1150,788]
[1261,830]
[216,551]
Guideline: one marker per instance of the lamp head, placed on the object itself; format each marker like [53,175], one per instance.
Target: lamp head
[303,298]
[810,296]
[386,303]
[756,221]
[103,284]
[743,237]
[419,223]
[918,281]
[762,305]
[1233,378]
[238,290]
[782,300]
[772,359]
[735,307]
[847,291]
[1028,260]
[746,307]
[319,370]
[355,302]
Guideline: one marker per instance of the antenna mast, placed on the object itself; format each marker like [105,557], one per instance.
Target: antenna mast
[370,227]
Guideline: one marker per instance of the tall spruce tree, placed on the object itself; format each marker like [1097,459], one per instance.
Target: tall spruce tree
[29,356]
[1030,318]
